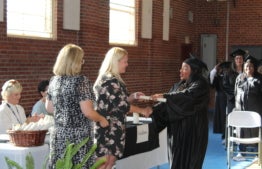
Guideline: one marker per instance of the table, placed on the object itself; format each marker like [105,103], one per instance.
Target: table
[148,159]
[18,154]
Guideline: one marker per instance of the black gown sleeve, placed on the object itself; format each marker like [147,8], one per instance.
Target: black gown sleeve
[181,104]
[188,102]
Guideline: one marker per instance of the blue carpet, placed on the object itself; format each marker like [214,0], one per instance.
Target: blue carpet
[216,155]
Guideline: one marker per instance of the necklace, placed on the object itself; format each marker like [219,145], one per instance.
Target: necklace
[18,120]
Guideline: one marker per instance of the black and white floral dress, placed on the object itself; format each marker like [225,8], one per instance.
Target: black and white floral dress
[111,103]
[71,125]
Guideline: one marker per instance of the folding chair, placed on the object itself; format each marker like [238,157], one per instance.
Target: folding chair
[237,120]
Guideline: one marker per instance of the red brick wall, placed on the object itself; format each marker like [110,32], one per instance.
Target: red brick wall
[245,24]
[153,64]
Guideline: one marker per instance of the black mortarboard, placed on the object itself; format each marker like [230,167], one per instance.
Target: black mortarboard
[196,64]
[252,59]
[225,65]
[237,53]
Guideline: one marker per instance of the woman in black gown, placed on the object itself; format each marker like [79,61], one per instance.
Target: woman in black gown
[185,115]
[248,96]
[229,79]
[216,76]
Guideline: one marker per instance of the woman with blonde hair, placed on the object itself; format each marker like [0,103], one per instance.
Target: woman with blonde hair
[114,102]
[70,97]
[11,113]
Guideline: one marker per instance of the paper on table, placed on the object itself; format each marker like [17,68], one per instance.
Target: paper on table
[142,133]
[135,118]
[149,98]
[131,118]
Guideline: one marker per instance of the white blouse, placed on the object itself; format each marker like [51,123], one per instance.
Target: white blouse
[9,115]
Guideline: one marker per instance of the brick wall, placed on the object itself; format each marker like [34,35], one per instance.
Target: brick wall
[245,24]
[153,64]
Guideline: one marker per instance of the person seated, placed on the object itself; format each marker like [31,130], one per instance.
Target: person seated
[39,107]
[11,113]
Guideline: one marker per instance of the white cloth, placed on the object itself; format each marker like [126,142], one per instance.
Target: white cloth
[212,75]
[7,118]
[18,154]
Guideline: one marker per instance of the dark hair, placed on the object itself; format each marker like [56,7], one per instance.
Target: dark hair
[198,68]
[42,86]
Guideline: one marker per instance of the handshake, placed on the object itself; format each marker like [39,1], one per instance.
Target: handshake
[147,111]
[141,96]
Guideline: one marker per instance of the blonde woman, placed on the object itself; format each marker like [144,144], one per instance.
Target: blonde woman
[11,112]
[70,97]
[113,102]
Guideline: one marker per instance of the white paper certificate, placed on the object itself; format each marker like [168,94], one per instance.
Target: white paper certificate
[142,133]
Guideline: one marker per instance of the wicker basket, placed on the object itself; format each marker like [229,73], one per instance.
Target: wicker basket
[27,138]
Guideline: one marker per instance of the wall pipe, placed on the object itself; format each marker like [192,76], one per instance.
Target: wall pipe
[227,29]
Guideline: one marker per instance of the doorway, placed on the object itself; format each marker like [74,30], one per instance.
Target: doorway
[209,49]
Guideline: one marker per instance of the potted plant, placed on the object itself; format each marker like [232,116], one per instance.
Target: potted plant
[66,161]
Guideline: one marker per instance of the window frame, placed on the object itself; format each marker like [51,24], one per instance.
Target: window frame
[135,41]
[53,30]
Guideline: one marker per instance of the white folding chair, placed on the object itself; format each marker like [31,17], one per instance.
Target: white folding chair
[236,120]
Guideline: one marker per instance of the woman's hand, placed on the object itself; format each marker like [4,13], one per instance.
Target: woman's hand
[104,122]
[147,111]
[157,96]
[135,96]
[34,118]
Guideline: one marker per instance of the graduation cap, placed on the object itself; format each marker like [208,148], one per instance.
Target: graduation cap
[225,65]
[252,60]
[196,64]
[238,52]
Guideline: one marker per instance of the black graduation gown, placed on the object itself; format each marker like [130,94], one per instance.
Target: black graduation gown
[185,116]
[219,120]
[229,81]
[248,94]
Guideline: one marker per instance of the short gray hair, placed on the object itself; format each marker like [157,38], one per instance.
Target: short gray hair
[9,87]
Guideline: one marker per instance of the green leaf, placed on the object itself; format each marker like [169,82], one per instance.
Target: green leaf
[59,164]
[30,161]
[79,145]
[98,163]
[90,152]
[12,164]
[68,156]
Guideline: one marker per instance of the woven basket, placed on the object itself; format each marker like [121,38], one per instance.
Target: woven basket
[27,138]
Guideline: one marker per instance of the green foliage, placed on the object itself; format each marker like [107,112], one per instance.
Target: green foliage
[11,164]
[30,164]
[66,161]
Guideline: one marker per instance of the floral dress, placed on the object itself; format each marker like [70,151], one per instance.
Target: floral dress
[71,125]
[111,103]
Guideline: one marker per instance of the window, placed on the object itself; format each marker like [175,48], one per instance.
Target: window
[29,18]
[122,22]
